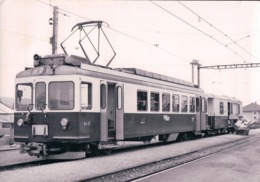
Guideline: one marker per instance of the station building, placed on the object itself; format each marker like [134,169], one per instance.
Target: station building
[6,121]
[251,112]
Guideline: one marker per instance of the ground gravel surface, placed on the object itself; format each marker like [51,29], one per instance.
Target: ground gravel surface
[100,165]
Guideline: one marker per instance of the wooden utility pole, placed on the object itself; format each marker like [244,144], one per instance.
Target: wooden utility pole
[54,22]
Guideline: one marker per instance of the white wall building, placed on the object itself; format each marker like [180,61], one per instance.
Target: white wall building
[251,112]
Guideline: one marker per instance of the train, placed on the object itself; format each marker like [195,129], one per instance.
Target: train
[68,107]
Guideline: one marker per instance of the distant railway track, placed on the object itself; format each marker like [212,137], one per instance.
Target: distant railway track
[138,172]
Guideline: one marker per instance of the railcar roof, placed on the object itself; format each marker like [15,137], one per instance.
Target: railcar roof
[74,64]
[157,76]
[224,97]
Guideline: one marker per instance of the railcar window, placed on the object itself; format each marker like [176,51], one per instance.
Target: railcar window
[184,103]
[23,96]
[119,97]
[86,96]
[235,108]
[61,95]
[175,103]
[192,104]
[141,101]
[221,108]
[166,102]
[40,95]
[203,106]
[198,104]
[155,101]
[103,96]
[238,109]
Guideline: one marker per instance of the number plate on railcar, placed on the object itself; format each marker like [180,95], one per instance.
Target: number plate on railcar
[40,130]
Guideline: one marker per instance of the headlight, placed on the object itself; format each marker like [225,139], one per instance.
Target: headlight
[64,123]
[20,122]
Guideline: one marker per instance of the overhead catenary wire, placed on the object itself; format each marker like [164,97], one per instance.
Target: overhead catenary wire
[232,40]
[24,35]
[121,32]
[61,9]
[208,35]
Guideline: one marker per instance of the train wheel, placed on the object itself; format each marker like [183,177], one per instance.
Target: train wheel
[166,138]
[182,137]
[92,151]
[147,140]
[108,151]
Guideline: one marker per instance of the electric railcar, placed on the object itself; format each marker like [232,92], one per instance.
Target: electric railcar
[67,107]
[223,113]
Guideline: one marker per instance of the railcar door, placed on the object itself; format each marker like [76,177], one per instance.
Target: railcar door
[201,109]
[111,104]
[111,111]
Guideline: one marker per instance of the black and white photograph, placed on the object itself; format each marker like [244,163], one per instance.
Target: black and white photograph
[129,90]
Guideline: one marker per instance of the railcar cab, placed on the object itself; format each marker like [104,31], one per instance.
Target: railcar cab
[58,102]
[48,108]
[36,91]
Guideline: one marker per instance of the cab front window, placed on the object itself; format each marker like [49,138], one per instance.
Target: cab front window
[23,96]
[61,95]
[40,94]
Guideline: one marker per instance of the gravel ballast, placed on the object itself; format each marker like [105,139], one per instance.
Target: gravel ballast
[101,165]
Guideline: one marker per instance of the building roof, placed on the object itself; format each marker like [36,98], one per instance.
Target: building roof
[6,110]
[253,107]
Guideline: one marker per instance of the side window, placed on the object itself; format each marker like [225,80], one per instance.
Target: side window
[166,102]
[23,96]
[197,104]
[141,100]
[119,97]
[155,101]
[184,103]
[221,108]
[192,104]
[231,108]
[206,105]
[238,109]
[86,96]
[103,96]
[175,103]
[203,105]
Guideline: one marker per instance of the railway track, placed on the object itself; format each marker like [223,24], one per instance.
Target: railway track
[139,172]
[133,172]
[27,164]
[41,162]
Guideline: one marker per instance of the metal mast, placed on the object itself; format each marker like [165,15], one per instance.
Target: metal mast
[219,67]
[54,22]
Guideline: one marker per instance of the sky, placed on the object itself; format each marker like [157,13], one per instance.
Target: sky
[160,36]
